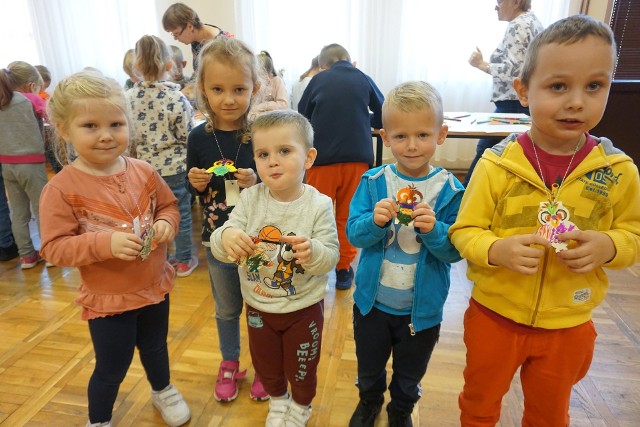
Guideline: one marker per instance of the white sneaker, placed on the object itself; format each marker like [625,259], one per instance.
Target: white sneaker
[298,415]
[278,408]
[90,424]
[172,407]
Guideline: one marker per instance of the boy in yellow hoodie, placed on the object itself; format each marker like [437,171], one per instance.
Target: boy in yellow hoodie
[543,214]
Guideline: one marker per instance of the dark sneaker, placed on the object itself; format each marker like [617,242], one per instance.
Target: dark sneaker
[398,418]
[366,413]
[10,252]
[344,279]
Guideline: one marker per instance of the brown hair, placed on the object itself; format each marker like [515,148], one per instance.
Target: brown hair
[180,15]
[565,31]
[331,54]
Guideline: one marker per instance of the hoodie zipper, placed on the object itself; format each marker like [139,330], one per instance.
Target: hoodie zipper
[540,287]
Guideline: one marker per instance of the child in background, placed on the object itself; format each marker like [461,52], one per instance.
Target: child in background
[48,130]
[273,93]
[162,120]
[22,152]
[544,212]
[285,290]
[400,215]
[220,164]
[177,71]
[301,85]
[127,66]
[337,103]
[46,81]
[114,228]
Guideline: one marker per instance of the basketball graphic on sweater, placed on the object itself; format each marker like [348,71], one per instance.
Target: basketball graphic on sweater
[270,234]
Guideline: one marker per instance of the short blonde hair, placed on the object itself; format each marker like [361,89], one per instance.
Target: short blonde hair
[414,96]
[70,95]
[293,119]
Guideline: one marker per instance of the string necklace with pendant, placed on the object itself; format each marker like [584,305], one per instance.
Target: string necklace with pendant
[145,230]
[555,187]
[224,162]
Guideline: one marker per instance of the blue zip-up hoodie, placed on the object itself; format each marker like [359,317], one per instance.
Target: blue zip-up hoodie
[436,254]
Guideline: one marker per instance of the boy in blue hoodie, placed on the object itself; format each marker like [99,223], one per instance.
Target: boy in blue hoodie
[400,216]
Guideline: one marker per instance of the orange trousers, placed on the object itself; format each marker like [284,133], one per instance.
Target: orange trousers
[339,181]
[551,362]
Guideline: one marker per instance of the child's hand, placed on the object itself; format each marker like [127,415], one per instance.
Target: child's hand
[301,246]
[237,243]
[424,218]
[199,178]
[246,177]
[384,211]
[517,254]
[594,249]
[125,246]
[164,232]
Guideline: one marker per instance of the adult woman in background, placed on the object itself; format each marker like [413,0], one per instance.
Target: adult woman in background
[185,26]
[505,63]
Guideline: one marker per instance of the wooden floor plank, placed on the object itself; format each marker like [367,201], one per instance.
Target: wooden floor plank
[46,358]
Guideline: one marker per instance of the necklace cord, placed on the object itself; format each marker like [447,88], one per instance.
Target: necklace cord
[555,188]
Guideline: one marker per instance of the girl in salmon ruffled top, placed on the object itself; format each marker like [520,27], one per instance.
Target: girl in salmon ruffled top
[111,217]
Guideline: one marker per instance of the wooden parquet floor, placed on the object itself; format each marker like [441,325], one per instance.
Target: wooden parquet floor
[46,359]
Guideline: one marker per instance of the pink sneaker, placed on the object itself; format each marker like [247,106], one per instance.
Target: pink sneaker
[30,261]
[228,375]
[183,270]
[258,392]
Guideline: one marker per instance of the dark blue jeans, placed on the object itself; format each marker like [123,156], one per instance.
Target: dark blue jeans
[114,340]
[377,335]
[484,143]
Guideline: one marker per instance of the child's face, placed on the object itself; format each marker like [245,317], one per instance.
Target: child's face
[567,92]
[412,137]
[228,90]
[99,133]
[281,160]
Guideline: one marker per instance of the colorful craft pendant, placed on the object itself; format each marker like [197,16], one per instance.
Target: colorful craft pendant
[407,198]
[554,220]
[222,167]
[148,244]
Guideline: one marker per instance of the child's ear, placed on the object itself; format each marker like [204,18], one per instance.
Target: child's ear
[443,134]
[311,157]
[522,91]
[256,88]
[385,140]
[168,66]
[184,64]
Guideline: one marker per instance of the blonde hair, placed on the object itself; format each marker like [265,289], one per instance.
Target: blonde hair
[127,62]
[68,97]
[414,96]
[17,77]
[293,119]
[152,57]
[565,31]
[232,52]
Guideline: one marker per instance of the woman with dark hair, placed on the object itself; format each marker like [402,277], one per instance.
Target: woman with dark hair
[184,25]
